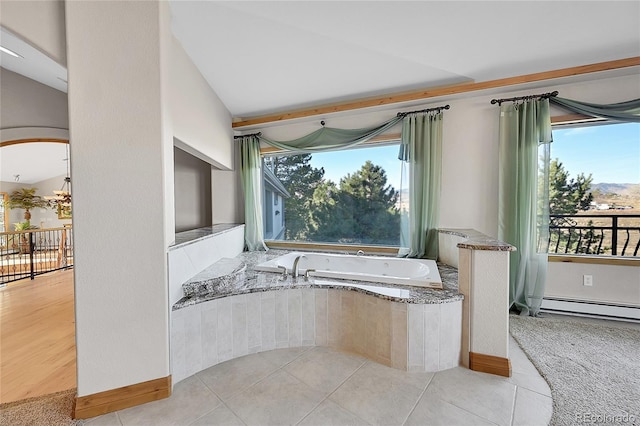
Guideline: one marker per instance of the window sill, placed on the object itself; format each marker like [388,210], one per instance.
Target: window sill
[295,245]
[595,260]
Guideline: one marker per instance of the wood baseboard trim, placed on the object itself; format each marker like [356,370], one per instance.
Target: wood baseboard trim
[490,364]
[101,403]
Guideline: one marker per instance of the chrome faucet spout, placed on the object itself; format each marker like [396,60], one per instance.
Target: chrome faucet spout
[283,269]
[294,270]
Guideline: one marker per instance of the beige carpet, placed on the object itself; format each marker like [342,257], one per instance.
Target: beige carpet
[48,410]
[593,370]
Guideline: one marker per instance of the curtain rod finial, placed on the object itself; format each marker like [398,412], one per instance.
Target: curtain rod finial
[322,123]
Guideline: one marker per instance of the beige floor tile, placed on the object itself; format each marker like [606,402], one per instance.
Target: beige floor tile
[381,395]
[485,395]
[519,360]
[277,400]
[532,382]
[219,416]
[331,414]
[434,411]
[282,357]
[190,400]
[324,369]
[109,419]
[532,409]
[234,376]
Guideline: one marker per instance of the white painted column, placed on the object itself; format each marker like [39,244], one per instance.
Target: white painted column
[483,279]
[119,135]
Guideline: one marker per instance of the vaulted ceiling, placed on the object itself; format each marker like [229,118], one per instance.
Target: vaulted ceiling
[264,57]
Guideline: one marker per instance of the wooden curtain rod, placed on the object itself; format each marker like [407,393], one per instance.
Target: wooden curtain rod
[439,91]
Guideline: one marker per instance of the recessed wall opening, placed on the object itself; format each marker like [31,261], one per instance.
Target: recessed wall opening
[192,191]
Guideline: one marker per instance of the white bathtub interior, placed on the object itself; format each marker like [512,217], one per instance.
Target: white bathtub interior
[385,270]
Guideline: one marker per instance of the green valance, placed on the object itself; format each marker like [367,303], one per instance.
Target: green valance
[623,111]
[331,139]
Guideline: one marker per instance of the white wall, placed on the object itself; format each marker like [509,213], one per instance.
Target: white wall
[613,284]
[201,126]
[41,23]
[199,118]
[118,150]
[27,103]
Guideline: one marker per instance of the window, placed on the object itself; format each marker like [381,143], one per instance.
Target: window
[594,189]
[341,197]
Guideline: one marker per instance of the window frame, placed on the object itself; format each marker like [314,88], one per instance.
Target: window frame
[380,140]
[579,120]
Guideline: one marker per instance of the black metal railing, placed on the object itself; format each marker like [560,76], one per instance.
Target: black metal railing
[26,254]
[595,234]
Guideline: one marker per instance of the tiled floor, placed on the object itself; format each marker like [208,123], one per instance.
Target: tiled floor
[322,386]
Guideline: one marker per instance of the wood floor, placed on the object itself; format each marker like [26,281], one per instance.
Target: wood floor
[37,337]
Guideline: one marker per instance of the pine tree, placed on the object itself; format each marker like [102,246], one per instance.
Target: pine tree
[362,210]
[568,196]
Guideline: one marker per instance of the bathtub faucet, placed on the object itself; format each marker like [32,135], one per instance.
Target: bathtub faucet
[294,271]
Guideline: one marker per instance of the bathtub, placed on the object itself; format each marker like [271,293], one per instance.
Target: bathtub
[385,270]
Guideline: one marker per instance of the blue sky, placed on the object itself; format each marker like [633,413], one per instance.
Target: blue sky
[337,164]
[611,153]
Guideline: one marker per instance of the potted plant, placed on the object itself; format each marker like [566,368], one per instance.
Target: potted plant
[24,243]
[26,198]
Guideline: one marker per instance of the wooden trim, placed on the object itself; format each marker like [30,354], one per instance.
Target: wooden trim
[388,137]
[574,118]
[490,364]
[438,91]
[595,260]
[117,399]
[291,245]
[19,141]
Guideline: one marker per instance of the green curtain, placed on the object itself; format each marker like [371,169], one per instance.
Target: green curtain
[331,139]
[251,176]
[421,148]
[623,111]
[523,199]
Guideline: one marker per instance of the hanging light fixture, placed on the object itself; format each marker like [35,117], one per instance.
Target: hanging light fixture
[62,198]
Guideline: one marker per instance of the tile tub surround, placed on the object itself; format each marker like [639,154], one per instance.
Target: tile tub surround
[421,332]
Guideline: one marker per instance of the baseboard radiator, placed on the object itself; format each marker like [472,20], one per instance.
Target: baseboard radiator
[592,309]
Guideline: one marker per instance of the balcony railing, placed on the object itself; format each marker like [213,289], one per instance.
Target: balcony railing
[595,234]
[25,254]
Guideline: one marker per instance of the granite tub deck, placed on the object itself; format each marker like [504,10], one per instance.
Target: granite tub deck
[233,311]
